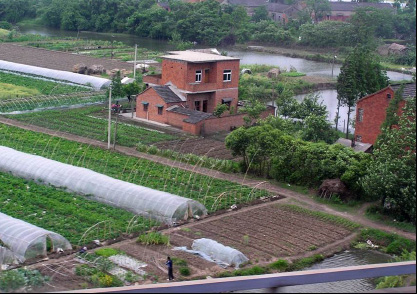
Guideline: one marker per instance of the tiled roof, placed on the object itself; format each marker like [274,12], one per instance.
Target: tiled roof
[196,57]
[194,116]
[352,6]
[409,89]
[247,3]
[166,93]
[277,7]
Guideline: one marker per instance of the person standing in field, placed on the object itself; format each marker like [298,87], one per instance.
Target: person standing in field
[170,269]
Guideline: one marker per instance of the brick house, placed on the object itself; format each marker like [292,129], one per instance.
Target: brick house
[188,90]
[343,11]
[282,13]
[371,111]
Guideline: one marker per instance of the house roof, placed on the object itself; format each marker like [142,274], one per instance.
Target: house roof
[409,90]
[167,94]
[247,3]
[194,116]
[196,57]
[352,6]
[278,7]
[359,146]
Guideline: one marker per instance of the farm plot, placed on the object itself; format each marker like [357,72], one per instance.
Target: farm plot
[199,146]
[273,231]
[65,213]
[82,122]
[214,194]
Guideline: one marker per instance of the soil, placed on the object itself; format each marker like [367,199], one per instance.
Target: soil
[55,59]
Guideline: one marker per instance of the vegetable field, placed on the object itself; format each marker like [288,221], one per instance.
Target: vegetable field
[82,122]
[62,212]
[213,193]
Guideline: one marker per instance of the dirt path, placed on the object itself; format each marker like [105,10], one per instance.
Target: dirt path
[291,196]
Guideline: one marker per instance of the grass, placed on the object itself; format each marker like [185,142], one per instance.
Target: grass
[84,122]
[4,33]
[7,91]
[296,188]
[153,238]
[337,204]
[375,213]
[41,86]
[107,252]
[292,74]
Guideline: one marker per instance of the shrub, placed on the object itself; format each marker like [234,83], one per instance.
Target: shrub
[15,279]
[179,262]
[153,238]
[185,271]
[85,270]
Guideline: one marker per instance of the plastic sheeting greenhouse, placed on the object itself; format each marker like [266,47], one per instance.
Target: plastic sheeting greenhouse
[140,200]
[7,257]
[219,252]
[27,241]
[96,82]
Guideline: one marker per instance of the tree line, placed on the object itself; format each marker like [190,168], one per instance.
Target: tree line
[211,23]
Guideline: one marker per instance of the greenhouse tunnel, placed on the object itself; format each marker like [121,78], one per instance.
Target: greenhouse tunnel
[6,257]
[27,241]
[220,252]
[137,199]
[60,75]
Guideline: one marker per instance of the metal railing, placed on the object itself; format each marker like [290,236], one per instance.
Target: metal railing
[270,281]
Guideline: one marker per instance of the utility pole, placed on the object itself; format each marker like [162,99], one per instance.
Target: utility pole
[115,128]
[109,127]
[134,66]
[334,58]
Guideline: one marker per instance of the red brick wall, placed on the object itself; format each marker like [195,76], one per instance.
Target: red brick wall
[176,119]
[191,98]
[227,93]
[153,99]
[175,72]
[374,114]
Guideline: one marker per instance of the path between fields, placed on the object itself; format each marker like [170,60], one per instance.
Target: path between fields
[292,196]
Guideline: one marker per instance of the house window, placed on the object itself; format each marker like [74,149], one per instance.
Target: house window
[160,109]
[358,138]
[197,105]
[360,115]
[227,75]
[198,75]
[145,105]
[389,96]
[227,101]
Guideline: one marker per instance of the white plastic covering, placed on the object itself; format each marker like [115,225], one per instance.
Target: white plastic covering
[96,82]
[219,252]
[7,257]
[137,199]
[27,241]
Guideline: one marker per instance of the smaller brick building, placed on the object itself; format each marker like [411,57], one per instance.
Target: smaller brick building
[185,95]
[371,111]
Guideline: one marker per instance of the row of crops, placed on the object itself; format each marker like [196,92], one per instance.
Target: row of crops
[214,194]
[83,122]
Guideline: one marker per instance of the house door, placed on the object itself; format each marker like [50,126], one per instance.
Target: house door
[197,105]
[206,75]
[205,105]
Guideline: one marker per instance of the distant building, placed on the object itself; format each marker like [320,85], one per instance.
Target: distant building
[191,86]
[250,5]
[282,13]
[343,11]
[371,111]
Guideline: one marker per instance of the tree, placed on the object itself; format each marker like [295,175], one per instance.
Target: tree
[253,109]
[318,8]
[117,87]
[360,75]
[391,177]
[260,13]
[318,129]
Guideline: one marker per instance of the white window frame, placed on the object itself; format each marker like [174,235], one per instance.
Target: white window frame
[227,75]
[360,114]
[198,76]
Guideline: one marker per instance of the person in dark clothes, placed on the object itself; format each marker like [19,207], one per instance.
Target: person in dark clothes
[170,270]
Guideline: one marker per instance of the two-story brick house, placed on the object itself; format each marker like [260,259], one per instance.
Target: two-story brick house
[371,111]
[187,92]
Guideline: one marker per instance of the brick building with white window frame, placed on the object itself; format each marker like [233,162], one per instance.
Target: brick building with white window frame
[192,84]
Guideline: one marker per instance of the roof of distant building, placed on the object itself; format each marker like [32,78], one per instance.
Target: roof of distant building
[352,6]
[194,116]
[197,57]
[409,89]
[277,7]
[359,146]
[167,94]
[247,3]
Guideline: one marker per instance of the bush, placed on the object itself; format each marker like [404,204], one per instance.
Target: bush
[305,262]
[185,271]
[393,243]
[15,279]
[85,270]
[179,262]
[153,238]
